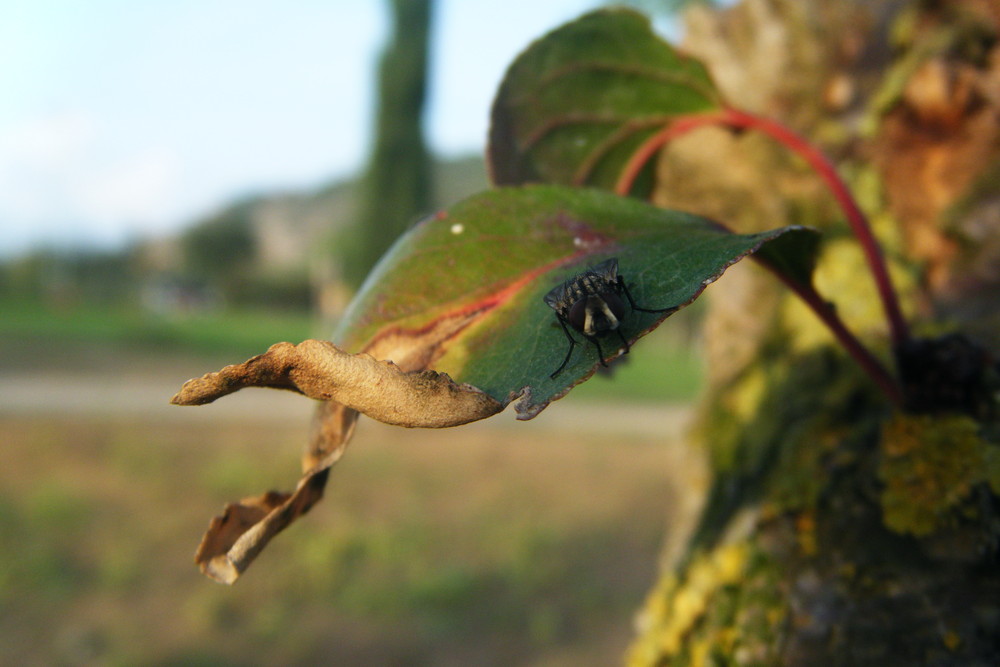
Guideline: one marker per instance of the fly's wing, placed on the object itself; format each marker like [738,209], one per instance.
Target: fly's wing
[606,272]
[558,298]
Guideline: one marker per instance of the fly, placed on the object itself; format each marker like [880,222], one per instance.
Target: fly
[591,302]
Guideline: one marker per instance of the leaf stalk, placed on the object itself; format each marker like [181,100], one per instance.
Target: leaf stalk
[734,118]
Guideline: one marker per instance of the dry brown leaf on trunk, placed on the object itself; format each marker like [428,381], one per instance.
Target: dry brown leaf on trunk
[350,384]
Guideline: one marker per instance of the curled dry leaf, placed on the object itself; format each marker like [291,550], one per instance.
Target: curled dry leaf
[349,384]
[379,389]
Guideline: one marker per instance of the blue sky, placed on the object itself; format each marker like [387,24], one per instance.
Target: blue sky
[122,119]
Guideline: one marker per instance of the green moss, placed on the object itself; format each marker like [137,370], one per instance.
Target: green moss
[800,476]
[929,467]
[726,422]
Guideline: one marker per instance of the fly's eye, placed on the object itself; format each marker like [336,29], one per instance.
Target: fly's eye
[600,317]
[577,316]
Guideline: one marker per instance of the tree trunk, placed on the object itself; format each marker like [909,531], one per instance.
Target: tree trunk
[397,185]
[839,531]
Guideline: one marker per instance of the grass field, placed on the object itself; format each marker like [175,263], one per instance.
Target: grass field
[500,543]
[233,332]
[665,366]
[489,547]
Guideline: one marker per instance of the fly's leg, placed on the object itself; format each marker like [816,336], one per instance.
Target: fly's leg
[624,342]
[631,302]
[572,343]
[600,352]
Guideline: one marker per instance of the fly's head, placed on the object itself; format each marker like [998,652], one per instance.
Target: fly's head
[596,314]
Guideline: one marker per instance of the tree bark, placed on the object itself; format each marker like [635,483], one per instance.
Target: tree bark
[839,531]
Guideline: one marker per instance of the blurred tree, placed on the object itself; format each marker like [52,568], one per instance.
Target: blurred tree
[62,276]
[397,186]
[221,246]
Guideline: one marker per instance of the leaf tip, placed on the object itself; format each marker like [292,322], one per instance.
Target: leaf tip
[193,392]
[221,570]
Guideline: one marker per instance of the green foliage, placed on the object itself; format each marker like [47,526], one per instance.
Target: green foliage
[499,252]
[220,247]
[668,367]
[576,105]
[70,276]
[279,292]
[233,332]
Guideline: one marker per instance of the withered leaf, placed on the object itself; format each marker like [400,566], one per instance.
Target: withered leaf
[380,389]
[349,384]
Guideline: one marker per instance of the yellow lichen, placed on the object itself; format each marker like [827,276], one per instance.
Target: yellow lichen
[744,399]
[929,467]
[805,533]
[675,606]
[951,640]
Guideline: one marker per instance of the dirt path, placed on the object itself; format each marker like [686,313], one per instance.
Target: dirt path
[103,380]
[145,392]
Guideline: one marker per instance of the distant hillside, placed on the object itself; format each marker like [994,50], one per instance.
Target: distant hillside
[274,250]
[282,248]
[286,229]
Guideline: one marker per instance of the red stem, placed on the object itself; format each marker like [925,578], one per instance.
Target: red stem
[898,328]
[826,312]
[856,219]
[649,148]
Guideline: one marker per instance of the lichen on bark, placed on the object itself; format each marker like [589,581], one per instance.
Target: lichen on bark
[933,471]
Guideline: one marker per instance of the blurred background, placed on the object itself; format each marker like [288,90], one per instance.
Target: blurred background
[183,184]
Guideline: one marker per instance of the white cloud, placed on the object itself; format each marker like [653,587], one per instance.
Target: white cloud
[49,142]
[37,160]
[120,119]
[59,183]
[139,190]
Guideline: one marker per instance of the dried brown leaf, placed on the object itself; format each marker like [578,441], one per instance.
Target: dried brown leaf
[379,389]
[348,384]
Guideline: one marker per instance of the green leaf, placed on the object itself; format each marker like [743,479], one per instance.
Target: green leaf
[574,107]
[793,257]
[462,291]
